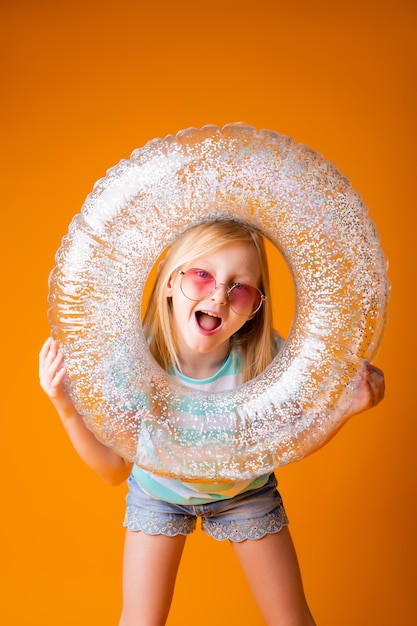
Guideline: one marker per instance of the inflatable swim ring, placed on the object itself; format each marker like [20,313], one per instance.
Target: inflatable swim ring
[309,211]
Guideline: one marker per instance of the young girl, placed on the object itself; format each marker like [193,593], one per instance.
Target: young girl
[209,324]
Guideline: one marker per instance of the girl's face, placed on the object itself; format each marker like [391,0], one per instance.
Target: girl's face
[204,327]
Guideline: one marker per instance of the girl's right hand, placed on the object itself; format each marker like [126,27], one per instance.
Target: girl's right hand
[51,376]
[102,459]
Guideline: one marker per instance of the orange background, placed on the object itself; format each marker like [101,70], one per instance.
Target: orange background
[83,83]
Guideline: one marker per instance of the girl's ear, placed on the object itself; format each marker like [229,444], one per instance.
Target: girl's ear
[169,284]
[169,288]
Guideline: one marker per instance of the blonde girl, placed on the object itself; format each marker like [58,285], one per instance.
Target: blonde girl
[209,325]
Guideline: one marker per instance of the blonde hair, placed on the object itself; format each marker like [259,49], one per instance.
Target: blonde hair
[255,338]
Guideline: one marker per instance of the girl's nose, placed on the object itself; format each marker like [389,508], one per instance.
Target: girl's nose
[220,294]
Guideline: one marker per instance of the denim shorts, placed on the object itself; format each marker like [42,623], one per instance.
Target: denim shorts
[250,515]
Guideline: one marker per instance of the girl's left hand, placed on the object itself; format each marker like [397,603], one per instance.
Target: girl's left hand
[365,391]
[369,391]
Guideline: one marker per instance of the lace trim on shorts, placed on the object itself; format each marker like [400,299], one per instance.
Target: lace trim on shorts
[251,529]
[154,525]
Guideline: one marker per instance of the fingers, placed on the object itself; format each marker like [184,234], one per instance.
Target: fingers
[48,352]
[51,368]
[375,381]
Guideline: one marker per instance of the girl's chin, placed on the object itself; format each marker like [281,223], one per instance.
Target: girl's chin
[205,344]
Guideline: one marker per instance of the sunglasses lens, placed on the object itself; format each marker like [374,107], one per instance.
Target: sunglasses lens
[244,299]
[197,284]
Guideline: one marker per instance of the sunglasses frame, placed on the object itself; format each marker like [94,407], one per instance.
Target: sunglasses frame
[229,290]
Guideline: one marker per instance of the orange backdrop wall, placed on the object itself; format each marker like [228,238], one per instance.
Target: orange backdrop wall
[83,83]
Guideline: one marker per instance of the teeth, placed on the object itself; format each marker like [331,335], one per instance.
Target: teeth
[210,314]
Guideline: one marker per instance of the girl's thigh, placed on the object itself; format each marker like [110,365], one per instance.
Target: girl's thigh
[150,567]
[271,568]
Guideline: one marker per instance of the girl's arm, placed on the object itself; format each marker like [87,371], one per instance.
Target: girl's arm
[368,392]
[103,460]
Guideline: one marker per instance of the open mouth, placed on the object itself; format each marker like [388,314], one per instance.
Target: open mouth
[208,321]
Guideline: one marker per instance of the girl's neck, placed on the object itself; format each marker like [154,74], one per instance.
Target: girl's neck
[201,366]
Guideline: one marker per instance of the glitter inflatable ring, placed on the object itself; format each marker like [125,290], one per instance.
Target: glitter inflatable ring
[309,211]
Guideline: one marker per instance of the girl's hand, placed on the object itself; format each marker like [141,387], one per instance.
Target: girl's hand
[102,459]
[366,391]
[51,376]
[369,390]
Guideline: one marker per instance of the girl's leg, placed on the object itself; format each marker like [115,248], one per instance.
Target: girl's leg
[271,568]
[149,571]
